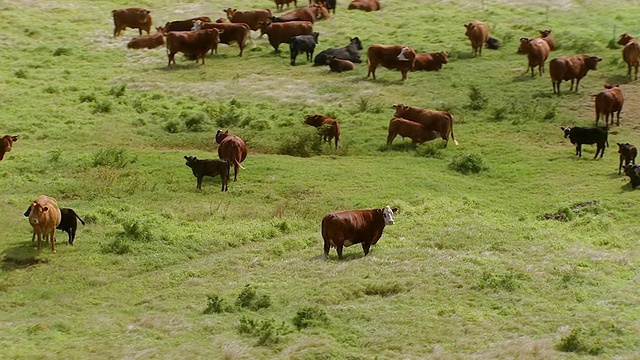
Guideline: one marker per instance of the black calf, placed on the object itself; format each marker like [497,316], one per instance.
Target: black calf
[303,43]
[68,222]
[209,167]
[633,172]
[349,52]
[587,135]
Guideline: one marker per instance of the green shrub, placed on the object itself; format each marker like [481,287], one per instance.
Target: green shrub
[506,281]
[432,150]
[117,246]
[575,342]
[301,144]
[139,230]
[87,98]
[61,51]
[383,289]
[216,304]
[310,316]
[101,106]
[118,90]
[230,115]
[114,157]
[193,120]
[172,127]
[267,331]
[477,97]
[51,90]
[20,74]
[468,163]
[250,299]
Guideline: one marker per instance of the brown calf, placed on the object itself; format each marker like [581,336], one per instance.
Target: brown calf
[328,128]
[6,143]
[135,18]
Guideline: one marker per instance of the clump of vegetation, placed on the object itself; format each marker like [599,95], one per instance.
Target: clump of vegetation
[20,74]
[575,342]
[193,120]
[117,246]
[216,304]
[250,299]
[139,230]
[101,106]
[468,163]
[478,99]
[114,157]
[506,281]
[84,98]
[118,90]
[301,144]
[383,289]
[172,126]
[432,150]
[231,115]
[268,332]
[61,51]
[310,316]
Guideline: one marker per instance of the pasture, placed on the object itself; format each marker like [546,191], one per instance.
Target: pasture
[471,269]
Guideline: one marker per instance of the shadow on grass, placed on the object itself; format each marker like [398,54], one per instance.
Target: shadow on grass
[398,145]
[618,79]
[22,256]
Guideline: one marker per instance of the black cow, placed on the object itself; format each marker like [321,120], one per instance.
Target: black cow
[493,43]
[209,167]
[68,222]
[587,135]
[330,5]
[303,43]
[628,155]
[349,52]
[633,172]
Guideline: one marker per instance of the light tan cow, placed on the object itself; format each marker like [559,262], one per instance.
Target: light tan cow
[44,217]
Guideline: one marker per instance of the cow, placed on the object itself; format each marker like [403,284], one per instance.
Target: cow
[135,18]
[478,33]
[571,68]
[537,51]
[628,155]
[44,217]
[310,13]
[493,43]
[608,102]
[68,222]
[546,36]
[148,41]
[6,143]
[417,132]
[232,149]
[328,128]
[191,42]
[633,172]
[209,167]
[303,43]
[250,17]
[280,4]
[345,228]
[439,121]
[349,52]
[587,135]
[364,5]
[339,65]
[329,4]
[283,32]
[231,32]
[185,25]
[392,57]
[630,53]
[431,61]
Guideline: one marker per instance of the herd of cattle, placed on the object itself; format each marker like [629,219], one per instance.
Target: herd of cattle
[196,36]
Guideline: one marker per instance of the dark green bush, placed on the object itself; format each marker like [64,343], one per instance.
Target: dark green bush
[575,342]
[87,98]
[21,74]
[468,163]
[478,99]
[310,316]
[114,157]
[118,90]
[116,246]
[268,332]
[101,106]
[216,304]
[194,121]
[172,127]
[61,51]
[302,143]
[250,299]
[432,150]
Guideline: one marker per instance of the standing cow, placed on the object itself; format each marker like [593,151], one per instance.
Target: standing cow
[439,121]
[283,32]
[628,155]
[571,68]
[587,135]
[232,149]
[417,132]
[328,128]
[6,143]
[135,18]
[630,53]
[303,43]
[537,51]
[608,102]
[392,57]
[44,217]
[478,33]
[194,43]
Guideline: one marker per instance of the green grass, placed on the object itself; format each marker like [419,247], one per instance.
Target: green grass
[162,270]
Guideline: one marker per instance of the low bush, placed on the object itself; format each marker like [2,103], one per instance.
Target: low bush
[468,163]
[310,316]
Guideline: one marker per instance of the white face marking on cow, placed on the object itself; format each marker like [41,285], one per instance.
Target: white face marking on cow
[197,25]
[401,57]
[387,214]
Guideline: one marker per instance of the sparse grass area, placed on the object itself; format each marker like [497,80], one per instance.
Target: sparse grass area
[471,268]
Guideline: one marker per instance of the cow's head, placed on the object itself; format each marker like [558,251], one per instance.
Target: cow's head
[190,160]
[406,54]
[611,86]
[264,26]
[442,56]
[470,27]
[625,38]
[545,33]
[627,150]
[314,120]
[357,42]
[567,131]
[230,13]
[387,214]
[36,212]
[221,20]
[315,37]
[400,109]
[220,135]
[592,62]
[143,15]
[7,142]
[197,25]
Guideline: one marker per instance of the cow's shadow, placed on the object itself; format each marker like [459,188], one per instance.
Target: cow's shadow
[346,256]
[22,256]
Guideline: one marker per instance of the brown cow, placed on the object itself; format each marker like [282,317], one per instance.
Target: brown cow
[232,149]
[431,61]
[192,42]
[185,25]
[339,65]
[392,57]
[417,132]
[440,121]
[135,18]
[345,228]
[546,36]
[310,13]
[283,32]
[364,5]
[280,4]
[630,53]
[231,32]
[148,41]
[328,128]
[44,217]
[250,17]
[628,155]
[478,33]
[608,102]
[6,143]
[537,51]
[571,68]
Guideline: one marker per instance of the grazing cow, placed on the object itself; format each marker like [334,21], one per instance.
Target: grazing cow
[587,135]
[148,41]
[571,68]
[231,32]
[608,102]
[328,128]
[417,132]
[628,155]
[493,43]
[439,121]
[339,65]
[68,222]
[478,33]
[135,18]
[192,42]
[630,53]
[232,149]
[431,61]
[310,13]
[44,217]
[329,4]
[283,32]
[345,228]
[364,5]
[185,25]
[6,143]
[633,172]
[303,43]
[392,57]
[349,52]
[537,51]
[209,167]
[280,4]
[250,17]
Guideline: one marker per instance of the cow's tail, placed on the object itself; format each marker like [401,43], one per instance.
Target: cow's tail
[451,125]
[82,221]
[236,162]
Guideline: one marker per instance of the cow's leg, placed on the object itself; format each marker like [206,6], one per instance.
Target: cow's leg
[617,119]
[199,184]
[52,237]
[235,172]
[620,165]
[372,71]
[72,235]
[578,150]
[39,241]
[327,247]
[404,75]
[636,72]
[365,247]
[339,250]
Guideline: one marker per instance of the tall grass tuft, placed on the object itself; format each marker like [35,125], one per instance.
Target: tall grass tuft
[472,163]
[310,316]
[478,99]
[302,143]
[114,157]
[268,332]
[250,299]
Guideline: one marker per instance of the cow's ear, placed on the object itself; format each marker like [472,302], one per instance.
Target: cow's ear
[466,25]
[395,106]
[394,210]
[46,208]
[561,127]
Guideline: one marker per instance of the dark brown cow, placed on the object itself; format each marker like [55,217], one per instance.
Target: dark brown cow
[431,61]
[417,132]
[546,36]
[608,102]
[328,128]
[6,143]
[250,17]
[192,42]
[339,65]
[231,32]
[628,155]
[185,25]
[44,217]
[537,51]
[280,4]
[135,18]
[630,53]
[310,13]
[440,121]
[232,149]
[283,32]
[148,41]
[571,68]
[329,4]
[345,228]
[478,33]
[364,5]
[392,57]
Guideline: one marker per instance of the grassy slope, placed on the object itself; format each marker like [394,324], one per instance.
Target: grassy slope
[468,270]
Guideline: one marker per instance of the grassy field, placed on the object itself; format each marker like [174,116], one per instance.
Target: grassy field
[470,270]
